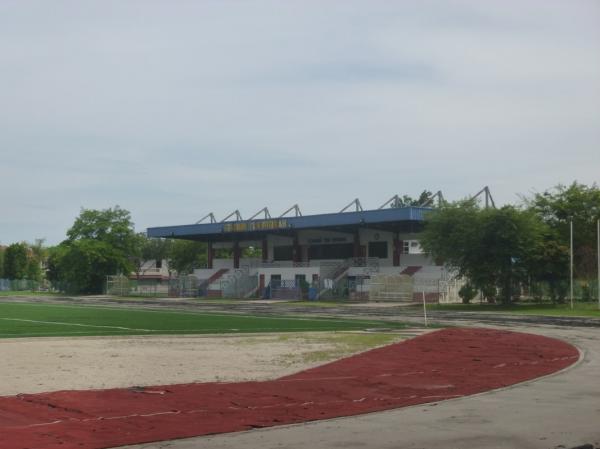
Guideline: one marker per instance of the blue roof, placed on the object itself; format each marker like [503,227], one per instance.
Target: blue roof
[229,229]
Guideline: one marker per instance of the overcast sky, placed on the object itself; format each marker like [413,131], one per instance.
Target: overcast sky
[173,109]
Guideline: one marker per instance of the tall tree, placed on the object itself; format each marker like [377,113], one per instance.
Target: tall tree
[492,248]
[37,255]
[1,262]
[185,255]
[15,261]
[147,249]
[100,243]
[579,203]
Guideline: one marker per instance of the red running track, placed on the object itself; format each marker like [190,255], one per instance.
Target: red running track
[440,365]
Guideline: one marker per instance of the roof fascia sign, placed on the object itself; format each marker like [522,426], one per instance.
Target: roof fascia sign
[262,225]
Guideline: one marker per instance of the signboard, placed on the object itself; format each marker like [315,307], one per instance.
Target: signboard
[249,226]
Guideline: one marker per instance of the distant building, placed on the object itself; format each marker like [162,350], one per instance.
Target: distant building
[316,256]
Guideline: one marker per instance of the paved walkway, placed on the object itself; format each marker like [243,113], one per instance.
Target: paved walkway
[560,411]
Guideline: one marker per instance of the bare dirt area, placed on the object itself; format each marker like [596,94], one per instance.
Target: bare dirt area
[36,365]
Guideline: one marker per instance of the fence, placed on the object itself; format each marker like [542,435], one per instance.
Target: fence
[556,291]
[239,285]
[21,285]
[120,285]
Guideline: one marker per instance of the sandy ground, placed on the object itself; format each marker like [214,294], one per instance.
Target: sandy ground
[48,364]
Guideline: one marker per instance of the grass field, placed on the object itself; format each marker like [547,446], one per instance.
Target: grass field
[579,309]
[40,320]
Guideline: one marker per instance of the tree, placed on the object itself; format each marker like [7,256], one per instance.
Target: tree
[15,261]
[549,265]
[491,248]
[1,262]
[86,263]
[112,226]
[579,203]
[36,256]
[185,255]
[100,243]
[53,261]
[149,249]
[156,249]
[406,200]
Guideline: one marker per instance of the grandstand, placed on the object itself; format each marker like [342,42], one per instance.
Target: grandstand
[335,255]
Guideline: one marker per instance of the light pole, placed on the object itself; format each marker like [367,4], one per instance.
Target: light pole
[571,262]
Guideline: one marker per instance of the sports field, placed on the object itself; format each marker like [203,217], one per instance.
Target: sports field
[46,320]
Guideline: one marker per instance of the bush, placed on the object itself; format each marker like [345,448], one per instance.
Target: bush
[467,292]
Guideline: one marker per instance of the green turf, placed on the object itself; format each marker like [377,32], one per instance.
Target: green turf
[546,309]
[31,320]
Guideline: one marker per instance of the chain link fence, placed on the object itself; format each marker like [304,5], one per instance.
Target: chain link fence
[120,285]
[21,285]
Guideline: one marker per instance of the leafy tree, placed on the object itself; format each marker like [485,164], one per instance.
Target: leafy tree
[53,261]
[581,204]
[100,243]
[467,292]
[149,249]
[15,261]
[185,255]
[492,248]
[112,226]
[1,262]
[550,264]
[36,256]
[406,200]
[86,263]
[156,249]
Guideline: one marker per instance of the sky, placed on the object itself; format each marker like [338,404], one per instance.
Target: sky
[174,109]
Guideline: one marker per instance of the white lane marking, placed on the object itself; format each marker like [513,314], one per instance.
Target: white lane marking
[59,323]
[210,313]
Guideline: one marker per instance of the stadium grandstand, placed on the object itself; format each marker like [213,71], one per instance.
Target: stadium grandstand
[354,254]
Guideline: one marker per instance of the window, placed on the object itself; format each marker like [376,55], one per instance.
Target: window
[331,251]
[283,252]
[378,249]
[275,281]
[301,280]
[158,263]
[406,247]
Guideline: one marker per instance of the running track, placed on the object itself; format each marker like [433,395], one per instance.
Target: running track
[441,365]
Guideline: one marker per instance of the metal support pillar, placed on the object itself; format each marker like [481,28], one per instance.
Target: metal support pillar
[236,255]
[265,249]
[210,254]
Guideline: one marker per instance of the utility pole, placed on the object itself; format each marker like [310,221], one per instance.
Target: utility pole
[598,236]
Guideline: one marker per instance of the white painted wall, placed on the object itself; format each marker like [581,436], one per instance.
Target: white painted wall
[288,274]
[222,263]
[323,237]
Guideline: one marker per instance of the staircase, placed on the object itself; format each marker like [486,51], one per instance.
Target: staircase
[206,283]
[239,284]
[410,270]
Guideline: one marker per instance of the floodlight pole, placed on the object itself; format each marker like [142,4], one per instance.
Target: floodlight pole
[571,261]
[424,308]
